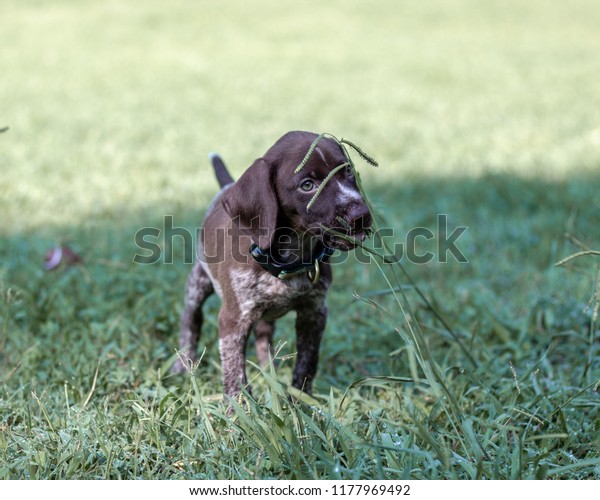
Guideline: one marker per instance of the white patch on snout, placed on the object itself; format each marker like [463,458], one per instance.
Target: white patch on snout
[347,195]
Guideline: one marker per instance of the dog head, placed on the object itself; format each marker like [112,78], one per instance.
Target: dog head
[270,195]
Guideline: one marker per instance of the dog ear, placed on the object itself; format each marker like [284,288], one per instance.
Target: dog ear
[253,202]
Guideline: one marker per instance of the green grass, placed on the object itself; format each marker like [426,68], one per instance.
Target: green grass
[485,111]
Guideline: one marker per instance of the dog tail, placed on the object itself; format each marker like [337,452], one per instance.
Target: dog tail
[223,175]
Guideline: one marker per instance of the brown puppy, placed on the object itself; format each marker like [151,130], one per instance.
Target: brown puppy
[265,253]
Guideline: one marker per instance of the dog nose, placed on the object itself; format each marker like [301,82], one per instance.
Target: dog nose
[361,218]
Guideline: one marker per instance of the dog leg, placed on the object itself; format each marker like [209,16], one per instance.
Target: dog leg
[233,337]
[263,331]
[198,289]
[310,324]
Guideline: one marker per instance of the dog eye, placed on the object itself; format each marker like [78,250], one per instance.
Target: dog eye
[349,171]
[307,185]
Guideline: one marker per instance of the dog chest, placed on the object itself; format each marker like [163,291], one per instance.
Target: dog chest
[259,294]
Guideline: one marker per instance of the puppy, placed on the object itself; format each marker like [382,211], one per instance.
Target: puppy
[264,249]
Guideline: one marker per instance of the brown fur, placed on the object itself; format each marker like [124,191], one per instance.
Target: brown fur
[267,206]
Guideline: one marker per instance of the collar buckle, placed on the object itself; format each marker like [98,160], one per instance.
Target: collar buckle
[286,272]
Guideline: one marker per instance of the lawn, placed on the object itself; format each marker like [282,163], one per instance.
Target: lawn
[487,112]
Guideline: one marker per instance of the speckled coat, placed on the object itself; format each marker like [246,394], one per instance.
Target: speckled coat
[267,206]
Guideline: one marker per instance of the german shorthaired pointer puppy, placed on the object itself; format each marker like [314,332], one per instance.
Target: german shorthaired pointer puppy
[264,250]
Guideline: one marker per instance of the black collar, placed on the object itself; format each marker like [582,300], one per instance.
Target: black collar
[287,271]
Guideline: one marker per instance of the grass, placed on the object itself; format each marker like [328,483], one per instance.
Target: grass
[486,112]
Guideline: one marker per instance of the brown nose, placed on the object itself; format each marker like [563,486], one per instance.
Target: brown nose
[360,218]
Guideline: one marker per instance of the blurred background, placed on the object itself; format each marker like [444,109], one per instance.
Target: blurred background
[114,105]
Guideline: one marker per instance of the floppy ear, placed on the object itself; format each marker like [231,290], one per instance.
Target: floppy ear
[252,201]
